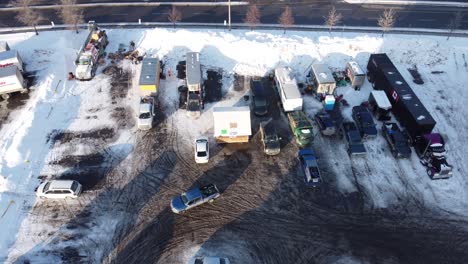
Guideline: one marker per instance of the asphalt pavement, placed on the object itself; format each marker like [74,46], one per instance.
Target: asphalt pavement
[306,12]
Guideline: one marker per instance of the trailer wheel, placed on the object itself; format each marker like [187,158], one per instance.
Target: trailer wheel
[5,96]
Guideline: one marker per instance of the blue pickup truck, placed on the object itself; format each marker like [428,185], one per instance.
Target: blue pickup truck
[309,165]
[194,197]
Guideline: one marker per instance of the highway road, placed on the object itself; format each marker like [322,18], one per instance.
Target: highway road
[307,12]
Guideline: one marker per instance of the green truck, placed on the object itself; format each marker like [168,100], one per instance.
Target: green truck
[301,127]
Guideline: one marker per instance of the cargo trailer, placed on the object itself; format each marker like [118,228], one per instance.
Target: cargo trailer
[11,57]
[286,85]
[149,77]
[355,74]
[232,124]
[11,80]
[322,79]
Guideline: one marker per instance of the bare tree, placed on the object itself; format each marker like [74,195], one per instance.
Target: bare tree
[174,16]
[387,20]
[286,19]
[455,23]
[332,19]
[70,13]
[252,18]
[26,14]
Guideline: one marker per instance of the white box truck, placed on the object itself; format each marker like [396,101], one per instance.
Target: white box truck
[286,84]
[11,80]
[232,124]
[11,57]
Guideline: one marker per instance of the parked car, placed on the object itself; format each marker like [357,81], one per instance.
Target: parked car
[202,149]
[396,140]
[270,139]
[147,113]
[355,146]
[59,189]
[309,165]
[194,197]
[325,123]
[364,121]
[259,101]
[208,260]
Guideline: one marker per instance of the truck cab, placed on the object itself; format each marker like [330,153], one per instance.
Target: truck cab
[431,149]
[301,127]
[146,113]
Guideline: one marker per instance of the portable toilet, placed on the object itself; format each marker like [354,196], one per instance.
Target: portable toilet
[149,77]
[355,74]
[322,79]
[329,102]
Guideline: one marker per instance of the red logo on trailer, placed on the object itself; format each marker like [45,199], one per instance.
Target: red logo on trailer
[395,96]
[5,65]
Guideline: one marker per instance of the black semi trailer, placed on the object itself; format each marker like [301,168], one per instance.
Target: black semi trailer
[411,114]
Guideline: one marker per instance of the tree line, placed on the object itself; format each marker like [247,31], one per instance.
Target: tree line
[71,14]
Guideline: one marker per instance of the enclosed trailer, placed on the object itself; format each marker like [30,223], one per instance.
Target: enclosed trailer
[286,84]
[322,79]
[11,80]
[11,57]
[355,74]
[4,46]
[379,105]
[149,77]
[194,74]
[232,124]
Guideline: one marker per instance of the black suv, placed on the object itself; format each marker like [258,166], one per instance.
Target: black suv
[396,140]
[355,146]
[364,121]
[259,102]
[270,139]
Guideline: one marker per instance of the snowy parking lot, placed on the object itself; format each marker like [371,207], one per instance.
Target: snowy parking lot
[372,209]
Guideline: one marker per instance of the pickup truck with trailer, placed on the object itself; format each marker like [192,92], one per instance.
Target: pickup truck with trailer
[411,114]
[11,58]
[194,197]
[11,80]
[146,113]
[301,127]
[353,137]
[286,85]
[90,53]
[396,140]
[364,121]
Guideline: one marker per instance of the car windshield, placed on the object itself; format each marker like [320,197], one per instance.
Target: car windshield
[184,198]
[144,115]
[259,102]
[201,153]
[74,186]
[84,61]
[46,187]
[270,138]
[354,137]
[305,134]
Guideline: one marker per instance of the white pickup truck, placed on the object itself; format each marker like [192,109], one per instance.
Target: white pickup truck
[146,113]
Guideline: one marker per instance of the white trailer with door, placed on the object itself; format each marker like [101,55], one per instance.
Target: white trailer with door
[9,58]
[286,84]
[11,80]
[322,79]
[232,124]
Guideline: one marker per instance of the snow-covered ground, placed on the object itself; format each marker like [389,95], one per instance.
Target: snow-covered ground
[27,150]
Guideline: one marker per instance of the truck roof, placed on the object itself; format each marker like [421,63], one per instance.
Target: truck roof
[381,99]
[287,82]
[193,68]
[145,108]
[149,71]
[381,60]
[322,73]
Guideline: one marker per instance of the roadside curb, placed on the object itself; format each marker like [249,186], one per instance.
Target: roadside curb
[240,26]
[403,2]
